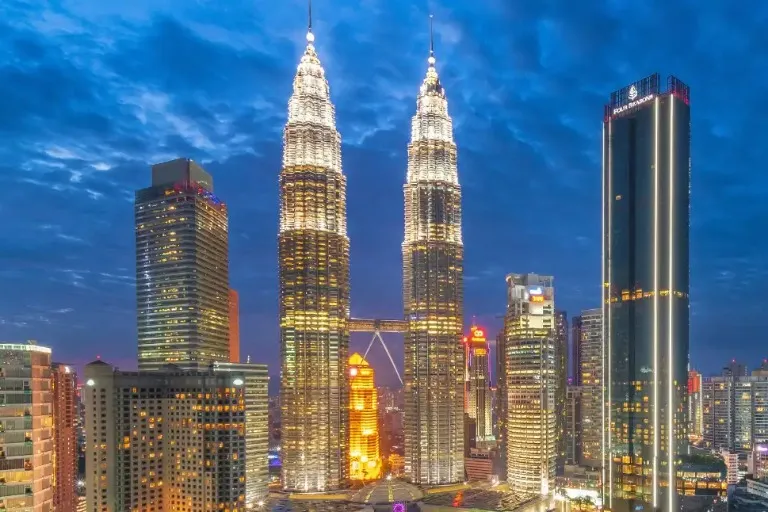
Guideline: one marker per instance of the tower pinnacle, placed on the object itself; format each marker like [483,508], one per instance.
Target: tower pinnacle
[431,58]
[310,35]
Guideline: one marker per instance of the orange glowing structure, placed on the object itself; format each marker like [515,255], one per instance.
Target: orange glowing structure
[364,458]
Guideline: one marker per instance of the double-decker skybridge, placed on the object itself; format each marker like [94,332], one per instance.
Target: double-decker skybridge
[377,326]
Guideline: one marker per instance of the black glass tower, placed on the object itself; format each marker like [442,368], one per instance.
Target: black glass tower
[646,198]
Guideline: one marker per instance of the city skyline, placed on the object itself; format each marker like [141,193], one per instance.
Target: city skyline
[86,183]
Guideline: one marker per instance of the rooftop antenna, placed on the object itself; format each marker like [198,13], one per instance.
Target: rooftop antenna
[310,35]
[431,59]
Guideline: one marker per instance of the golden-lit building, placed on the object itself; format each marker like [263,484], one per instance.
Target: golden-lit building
[477,396]
[26,421]
[182,268]
[364,457]
[313,254]
[64,399]
[234,327]
[433,288]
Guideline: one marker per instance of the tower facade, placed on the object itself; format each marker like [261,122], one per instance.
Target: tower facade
[433,287]
[182,268]
[646,199]
[26,408]
[364,455]
[64,400]
[590,345]
[531,384]
[477,395]
[561,384]
[313,251]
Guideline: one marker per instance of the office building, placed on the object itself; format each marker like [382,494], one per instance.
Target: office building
[65,419]
[26,419]
[530,384]
[500,405]
[573,426]
[433,289]
[477,395]
[234,327]
[364,449]
[590,375]
[575,361]
[695,407]
[313,253]
[735,412]
[646,199]
[176,439]
[561,379]
[182,268]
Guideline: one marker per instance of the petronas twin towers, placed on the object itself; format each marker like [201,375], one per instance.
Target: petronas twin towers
[314,291]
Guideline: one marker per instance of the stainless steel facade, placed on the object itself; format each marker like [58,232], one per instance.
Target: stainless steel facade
[182,268]
[433,286]
[646,198]
[313,252]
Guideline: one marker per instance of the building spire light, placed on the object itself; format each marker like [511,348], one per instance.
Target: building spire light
[310,35]
[431,58]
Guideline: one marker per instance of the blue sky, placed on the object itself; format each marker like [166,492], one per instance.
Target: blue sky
[93,92]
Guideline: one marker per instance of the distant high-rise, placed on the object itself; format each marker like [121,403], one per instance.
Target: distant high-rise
[575,361]
[500,405]
[561,380]
[478,384]
[646,200]
[433,289]
[313,258]
[234,327]
[364,454]
[531,383]
[182,268]
[26,444]
[695,406]
[590,373]
[573,426]
[176,439]
[65,419]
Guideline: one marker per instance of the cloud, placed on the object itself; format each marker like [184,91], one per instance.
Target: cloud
[92,93]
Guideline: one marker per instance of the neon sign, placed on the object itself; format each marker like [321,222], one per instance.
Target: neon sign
[478,335]
[537,298]
[535,290]
[632,93]
[633,104]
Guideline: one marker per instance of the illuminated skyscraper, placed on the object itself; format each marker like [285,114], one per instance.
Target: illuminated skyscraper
[433,288]
[191,440]
[531,383]
[314,287]
[590,345]
[477,397]
[65,417]
[234,327]
[182,268]
[695,406]
[646,199]
[561,382]
[26,443]
[364,458]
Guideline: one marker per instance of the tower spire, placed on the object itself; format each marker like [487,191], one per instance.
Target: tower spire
[310,35]
[431,59]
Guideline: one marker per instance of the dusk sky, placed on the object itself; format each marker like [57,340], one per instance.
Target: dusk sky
[92,92]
